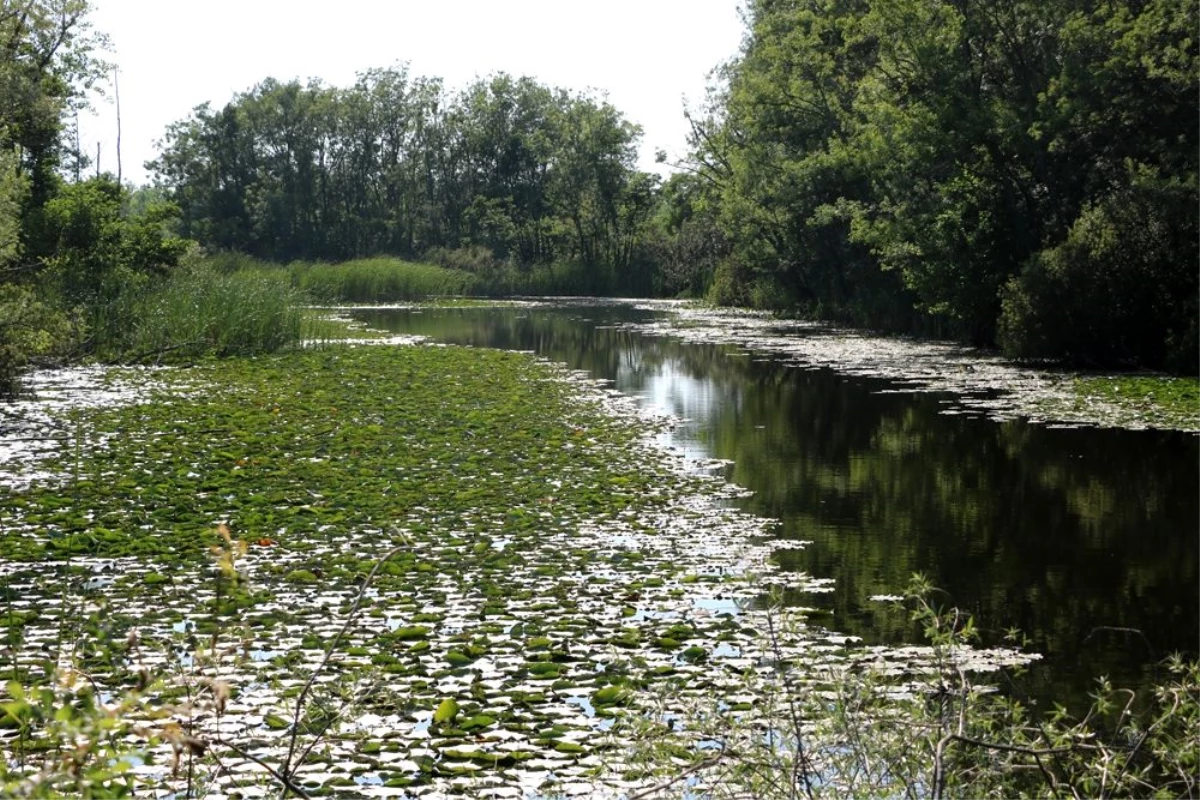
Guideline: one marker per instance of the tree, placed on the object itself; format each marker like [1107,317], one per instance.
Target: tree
[507,170]
[938,165]
[48,64]
[12,195]
[99,251]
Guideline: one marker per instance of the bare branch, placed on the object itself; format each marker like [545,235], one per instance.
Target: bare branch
[274,773]
[302,698]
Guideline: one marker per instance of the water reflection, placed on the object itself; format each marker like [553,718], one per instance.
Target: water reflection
[1076,537]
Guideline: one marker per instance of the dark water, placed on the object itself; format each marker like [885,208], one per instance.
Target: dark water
[1086,540]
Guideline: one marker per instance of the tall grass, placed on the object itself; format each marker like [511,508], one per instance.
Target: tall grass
[386,279]
[201,311]
[550,280]
[379,280]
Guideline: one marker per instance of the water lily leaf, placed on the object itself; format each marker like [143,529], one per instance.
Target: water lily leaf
[611,696]
[446,711]
[414,632]
[458,658]
[276,722]
[478,721]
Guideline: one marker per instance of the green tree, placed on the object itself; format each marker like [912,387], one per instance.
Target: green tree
[12,195]
[936,165]
[101,253]
[506,171]
[48,64]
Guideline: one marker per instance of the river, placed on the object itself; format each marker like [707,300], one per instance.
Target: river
[1084,539]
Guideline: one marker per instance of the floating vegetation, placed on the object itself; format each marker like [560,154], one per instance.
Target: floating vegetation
[219,540]
[981,382]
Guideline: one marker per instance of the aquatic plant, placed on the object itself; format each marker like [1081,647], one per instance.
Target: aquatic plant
[948,726]
[199,311]
[378,280]
[557,568]
[460,570]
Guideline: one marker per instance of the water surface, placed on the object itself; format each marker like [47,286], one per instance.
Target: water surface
[1086,540]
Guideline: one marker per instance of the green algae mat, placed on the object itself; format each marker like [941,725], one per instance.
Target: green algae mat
[206,548]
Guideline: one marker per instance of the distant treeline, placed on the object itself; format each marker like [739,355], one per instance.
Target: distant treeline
[504,171]
[1012,172]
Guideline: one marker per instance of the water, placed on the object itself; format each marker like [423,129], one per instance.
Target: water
[1085,540]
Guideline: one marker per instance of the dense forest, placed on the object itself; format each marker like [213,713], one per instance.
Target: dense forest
[1008,173]
[1002,171]
[507,169]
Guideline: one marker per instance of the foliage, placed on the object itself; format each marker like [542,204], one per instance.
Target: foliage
[476,259]
[100,252]
[48,63]
[12,198]
[920,165]
[29,329]
[88,741]
[685,241]
[1120,289]
[397,165]
[379,280]
[198,311]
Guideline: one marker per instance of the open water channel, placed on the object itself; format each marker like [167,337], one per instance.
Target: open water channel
[1084,539]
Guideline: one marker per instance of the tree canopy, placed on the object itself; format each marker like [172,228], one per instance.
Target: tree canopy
[1011,173]
[397,164]
[1003,171]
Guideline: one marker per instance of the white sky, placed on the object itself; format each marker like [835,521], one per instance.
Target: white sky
[647,55]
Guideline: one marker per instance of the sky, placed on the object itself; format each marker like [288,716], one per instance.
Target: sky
[646,56]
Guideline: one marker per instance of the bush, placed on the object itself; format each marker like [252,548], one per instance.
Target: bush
[101,253]
[475,259]
[1121,290]
[728,287]
[29,329]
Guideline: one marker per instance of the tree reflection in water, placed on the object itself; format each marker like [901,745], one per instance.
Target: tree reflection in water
[1075,536]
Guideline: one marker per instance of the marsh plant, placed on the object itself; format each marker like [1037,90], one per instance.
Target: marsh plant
[952,728]
[199,310]
[378,280]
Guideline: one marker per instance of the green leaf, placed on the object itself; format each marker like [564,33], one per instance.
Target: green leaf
[446,711]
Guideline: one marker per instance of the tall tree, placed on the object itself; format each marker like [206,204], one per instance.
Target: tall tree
[48,63]
[507,167]
[919,164]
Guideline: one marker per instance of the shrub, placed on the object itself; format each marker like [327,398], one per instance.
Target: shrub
[729,284]
[29,329]
[101,253]
[476,259]
[1121,290]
